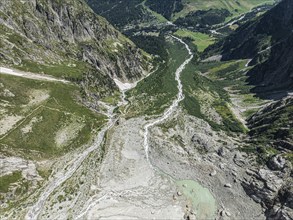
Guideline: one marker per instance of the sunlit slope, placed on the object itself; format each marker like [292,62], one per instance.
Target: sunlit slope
[235,7]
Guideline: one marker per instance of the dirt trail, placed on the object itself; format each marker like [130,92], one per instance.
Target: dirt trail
[28,75]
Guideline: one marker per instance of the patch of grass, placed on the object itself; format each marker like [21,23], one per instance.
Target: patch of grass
[7,180]
[44,172]
[55,113]
[61,198]
[229,119]
[202,41]
[112,100]
[70,70]
[224,70]
[192,105]
[160,18]
[168,124]
[263,153]
[155,93]
[251,99]
[289,157]
[249,112]
[232,75]
[273,126]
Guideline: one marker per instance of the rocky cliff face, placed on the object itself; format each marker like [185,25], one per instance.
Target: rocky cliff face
[53,32]
[272,126]
[258,34]
[271,183]
[276,72]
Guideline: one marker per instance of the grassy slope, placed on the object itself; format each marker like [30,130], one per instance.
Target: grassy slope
[202,41]
[69,69]
[160,18]
[7,180]
[231,75]
[232,6]
[154,94]
[57,112]
[268,129]
[199,91]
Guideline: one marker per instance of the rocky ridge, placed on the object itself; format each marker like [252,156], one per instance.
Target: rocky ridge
[50,34]
[271,183]
[268,43]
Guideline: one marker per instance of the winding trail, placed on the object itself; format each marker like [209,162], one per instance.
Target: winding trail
[175,103]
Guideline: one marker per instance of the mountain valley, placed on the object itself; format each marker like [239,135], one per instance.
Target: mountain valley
[178,109]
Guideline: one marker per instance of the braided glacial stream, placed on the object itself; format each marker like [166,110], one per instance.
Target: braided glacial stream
[175,103]
[63,175]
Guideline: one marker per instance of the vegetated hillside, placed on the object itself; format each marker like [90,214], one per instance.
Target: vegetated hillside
[273,126]
[235,7]
[276,73]
[259,33]
[272,135]
[121,13]
[268,41]
[203,18]
[174,9]
[67,39]
[127,14]
[165,7]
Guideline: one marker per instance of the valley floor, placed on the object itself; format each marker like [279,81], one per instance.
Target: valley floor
[81,137]
[172,166]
